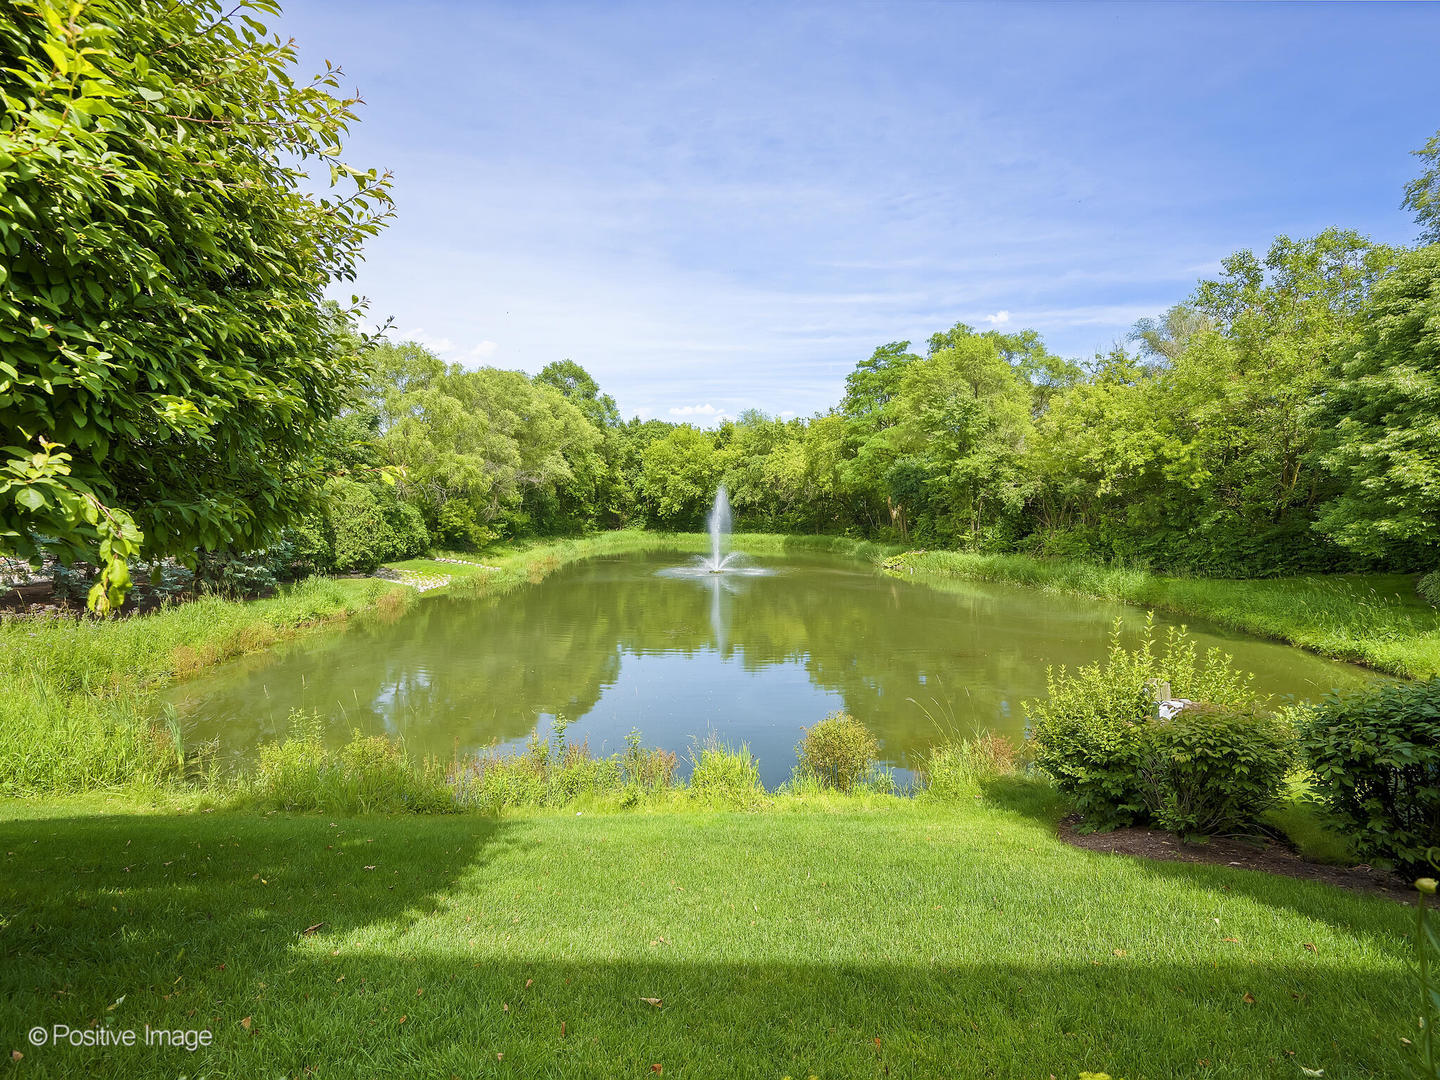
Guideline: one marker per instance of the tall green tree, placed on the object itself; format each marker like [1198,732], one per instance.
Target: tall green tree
[1166,338]
[166,372]
[1204,451]
[1422,195]
[581,390]
[679,473]
[1110,461]
[872,450]
[964,418]
[598,493]
[873,384]
[477,451]
[1385,409]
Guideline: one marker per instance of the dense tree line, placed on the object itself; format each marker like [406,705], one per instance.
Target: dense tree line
[173,387]
[1284,417]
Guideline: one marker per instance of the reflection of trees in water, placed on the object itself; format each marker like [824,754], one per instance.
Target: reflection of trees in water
[472,671]
[912,663]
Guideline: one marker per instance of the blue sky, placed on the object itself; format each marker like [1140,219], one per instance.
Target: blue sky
[722,206]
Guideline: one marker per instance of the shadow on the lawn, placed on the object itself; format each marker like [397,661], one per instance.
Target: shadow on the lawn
[84,897]
[1041,803]
[209,931]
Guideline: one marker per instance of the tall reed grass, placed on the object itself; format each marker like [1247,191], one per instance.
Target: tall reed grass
[1372,619]
[77,710]
[371,773]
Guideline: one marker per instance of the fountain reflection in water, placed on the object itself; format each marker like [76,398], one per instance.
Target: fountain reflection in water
[721,570]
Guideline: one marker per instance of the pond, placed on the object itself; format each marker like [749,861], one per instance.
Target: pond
[622,643]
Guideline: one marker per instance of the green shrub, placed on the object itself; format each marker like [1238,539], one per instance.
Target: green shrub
[1213,769]
[246,573]
[411,538]
[359,531]
[313,543]
[457,528]
[232,574]
[1089,732]
[1376,760]
[1429,588]
[838,751]
[959,769]
[367,525]
[727,776]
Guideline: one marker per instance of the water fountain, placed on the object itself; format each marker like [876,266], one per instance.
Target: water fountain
[729,567]
[718,524]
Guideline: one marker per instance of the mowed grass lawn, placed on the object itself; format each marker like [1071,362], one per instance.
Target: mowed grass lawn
[902,939]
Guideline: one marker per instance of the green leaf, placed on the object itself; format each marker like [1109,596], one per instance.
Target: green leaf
[30,498]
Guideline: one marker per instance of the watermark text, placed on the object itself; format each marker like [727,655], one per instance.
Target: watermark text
[165,1038]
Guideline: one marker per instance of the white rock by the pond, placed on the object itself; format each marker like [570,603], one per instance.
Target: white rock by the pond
[1173,707]
[465,562]
[418,582]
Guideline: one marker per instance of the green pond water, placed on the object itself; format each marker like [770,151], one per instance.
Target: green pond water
[620,643]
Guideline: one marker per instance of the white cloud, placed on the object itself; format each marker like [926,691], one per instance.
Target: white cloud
[999,318]
[447,349]
[438,345]
[1121,316]
[706,410]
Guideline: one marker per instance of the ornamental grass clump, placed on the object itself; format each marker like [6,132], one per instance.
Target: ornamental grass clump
[960,769]
[647,769]
[719,774]
[1429,588]
[369,773]
[837,752]
[1209,769]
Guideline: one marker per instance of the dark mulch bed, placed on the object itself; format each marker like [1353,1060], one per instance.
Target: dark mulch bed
[1265,855]
[25,598]
[40,600]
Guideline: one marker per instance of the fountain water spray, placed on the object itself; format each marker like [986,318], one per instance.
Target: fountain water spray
[719,526]
[732,564]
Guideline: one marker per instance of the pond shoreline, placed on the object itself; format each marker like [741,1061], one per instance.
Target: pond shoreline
[1373,620]
[1376,621]
[78,714]
[643,640]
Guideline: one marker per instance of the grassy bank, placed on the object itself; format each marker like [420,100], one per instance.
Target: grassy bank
[915,940]
[1372,619]
[77,710]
